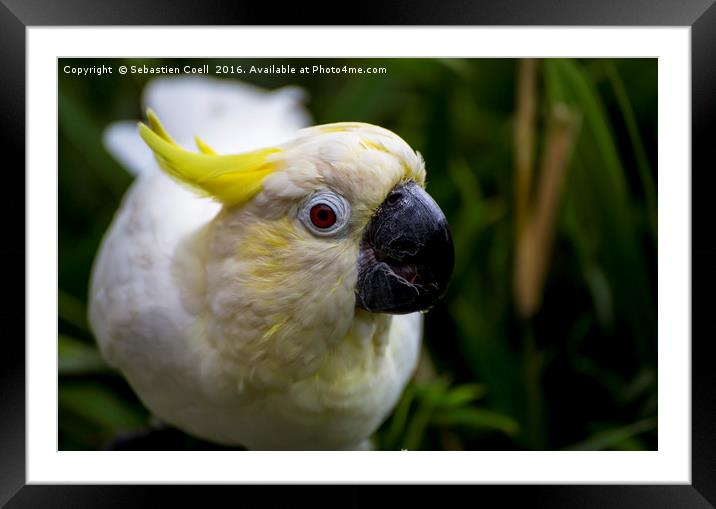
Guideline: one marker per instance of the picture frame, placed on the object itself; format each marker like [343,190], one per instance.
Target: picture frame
[16,16]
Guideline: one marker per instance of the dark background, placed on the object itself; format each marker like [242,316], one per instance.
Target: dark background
[575,369]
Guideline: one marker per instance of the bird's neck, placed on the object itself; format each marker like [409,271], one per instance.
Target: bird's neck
[361,347]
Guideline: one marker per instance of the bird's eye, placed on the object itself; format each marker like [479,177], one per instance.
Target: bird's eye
[325,213]
[323,216]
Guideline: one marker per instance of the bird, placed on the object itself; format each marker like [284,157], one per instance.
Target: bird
[272,296]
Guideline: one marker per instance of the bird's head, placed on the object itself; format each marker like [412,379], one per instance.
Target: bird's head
[310,230]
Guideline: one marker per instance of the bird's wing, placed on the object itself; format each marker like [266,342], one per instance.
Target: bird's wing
[139,310]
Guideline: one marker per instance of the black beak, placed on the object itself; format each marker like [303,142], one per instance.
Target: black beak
[407,254]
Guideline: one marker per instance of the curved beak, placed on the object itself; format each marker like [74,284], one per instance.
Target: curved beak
[407,255]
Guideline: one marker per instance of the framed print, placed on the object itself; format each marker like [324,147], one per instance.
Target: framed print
[367,254]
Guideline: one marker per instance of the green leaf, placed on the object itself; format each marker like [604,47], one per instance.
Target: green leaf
[433,390]
[79,127]
[599,215]
[99,405]
[484,345]
[72,310]
[398,422]
[642,161]
[417,426]
[462,395]
[77,357]
[616,438]
[643,384]
[476,418]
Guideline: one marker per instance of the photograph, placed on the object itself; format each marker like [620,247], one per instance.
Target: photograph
[373,254]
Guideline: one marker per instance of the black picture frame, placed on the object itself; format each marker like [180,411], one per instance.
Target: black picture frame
[700,15]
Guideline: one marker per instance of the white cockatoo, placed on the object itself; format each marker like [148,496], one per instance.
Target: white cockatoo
[268,298]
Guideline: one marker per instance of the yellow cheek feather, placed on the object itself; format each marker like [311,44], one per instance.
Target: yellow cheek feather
[231,179]
[283,256]
[268,246]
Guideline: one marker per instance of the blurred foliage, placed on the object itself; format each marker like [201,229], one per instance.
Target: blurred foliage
[576,372]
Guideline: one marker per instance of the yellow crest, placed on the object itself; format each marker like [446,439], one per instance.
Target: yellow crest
[231,179]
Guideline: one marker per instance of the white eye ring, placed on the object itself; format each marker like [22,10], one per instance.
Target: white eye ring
[337,204]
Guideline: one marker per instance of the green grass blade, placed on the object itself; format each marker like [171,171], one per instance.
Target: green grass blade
[599,216]
[99,405]
[77,357]
[612,438]
[72,310]
[80,129]
[399,420]
[476,418]
[635,138]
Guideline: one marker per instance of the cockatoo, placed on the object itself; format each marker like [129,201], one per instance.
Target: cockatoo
[268,297]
